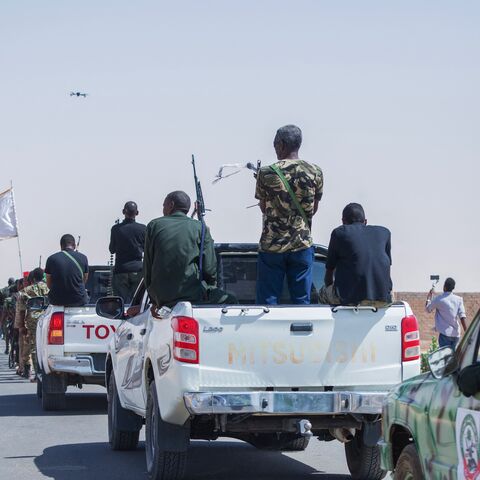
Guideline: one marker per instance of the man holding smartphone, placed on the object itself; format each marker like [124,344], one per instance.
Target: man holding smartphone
[448,309]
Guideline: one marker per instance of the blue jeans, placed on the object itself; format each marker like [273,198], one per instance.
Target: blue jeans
[272,269]
[444,341]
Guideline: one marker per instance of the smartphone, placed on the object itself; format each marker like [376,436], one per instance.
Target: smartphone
[434,278]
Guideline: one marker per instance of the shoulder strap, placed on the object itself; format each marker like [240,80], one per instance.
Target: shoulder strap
[72,258]
[294,198]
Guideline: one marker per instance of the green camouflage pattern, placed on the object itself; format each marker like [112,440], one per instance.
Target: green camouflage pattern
[426,408]
[7,315]
[39,289]
[284,229]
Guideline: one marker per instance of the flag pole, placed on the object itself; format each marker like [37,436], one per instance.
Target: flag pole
[18,233]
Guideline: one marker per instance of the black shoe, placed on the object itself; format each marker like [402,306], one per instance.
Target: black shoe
[6,351]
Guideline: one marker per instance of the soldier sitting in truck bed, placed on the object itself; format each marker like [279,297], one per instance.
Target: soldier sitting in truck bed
[67,273]
[171,259]
[358,262]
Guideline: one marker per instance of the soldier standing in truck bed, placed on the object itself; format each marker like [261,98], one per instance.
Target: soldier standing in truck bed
[127,241]
[289,192]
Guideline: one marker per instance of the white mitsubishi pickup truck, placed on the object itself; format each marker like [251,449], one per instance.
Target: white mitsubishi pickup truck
[272,376]
[72,344]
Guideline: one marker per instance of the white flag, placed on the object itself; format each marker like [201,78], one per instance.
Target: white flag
[8,219]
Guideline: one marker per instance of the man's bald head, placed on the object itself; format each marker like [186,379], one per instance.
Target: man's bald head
[130,210]
[177,201]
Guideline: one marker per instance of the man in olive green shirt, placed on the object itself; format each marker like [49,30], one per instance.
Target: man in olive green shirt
[171,257]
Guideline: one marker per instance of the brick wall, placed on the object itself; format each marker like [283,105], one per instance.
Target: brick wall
[416,300]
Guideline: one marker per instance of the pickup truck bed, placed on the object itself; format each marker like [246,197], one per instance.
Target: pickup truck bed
[271,375]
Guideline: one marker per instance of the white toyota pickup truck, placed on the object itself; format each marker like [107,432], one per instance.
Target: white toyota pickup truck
[72,344]
[269,375]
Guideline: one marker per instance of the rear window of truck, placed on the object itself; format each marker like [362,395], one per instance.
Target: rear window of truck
[237,274]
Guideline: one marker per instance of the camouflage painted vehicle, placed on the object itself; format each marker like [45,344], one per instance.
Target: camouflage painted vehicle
[431,423]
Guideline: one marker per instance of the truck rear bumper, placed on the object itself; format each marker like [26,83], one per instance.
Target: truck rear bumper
[288,403]
[81,364]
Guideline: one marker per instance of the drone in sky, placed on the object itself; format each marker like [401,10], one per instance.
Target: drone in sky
[78,94]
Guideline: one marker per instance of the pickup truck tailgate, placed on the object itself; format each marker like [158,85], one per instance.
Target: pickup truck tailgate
[85,331]
[299,346]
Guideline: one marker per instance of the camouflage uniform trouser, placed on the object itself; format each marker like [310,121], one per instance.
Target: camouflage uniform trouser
[31,324]
[24,351]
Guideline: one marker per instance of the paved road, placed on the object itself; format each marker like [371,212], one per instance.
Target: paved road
[72,445]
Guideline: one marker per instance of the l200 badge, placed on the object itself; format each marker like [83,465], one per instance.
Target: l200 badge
[212,329]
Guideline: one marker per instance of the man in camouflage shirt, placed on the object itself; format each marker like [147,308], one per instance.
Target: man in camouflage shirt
[286,245]
[38,288]
[4,310]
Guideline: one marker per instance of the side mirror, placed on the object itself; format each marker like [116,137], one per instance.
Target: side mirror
[110,307]
[37,304]
[469,380]
[439,360]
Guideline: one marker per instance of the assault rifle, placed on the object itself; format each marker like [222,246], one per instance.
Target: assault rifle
[200,211]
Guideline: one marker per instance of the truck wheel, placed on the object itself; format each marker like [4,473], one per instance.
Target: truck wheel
[39,388]
[118,437]
[285,442]
[408,466]
[363,461]
[165,444]
[39,375]
[52,399]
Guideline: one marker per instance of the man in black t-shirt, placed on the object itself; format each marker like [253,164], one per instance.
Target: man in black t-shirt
[127,240]
[67,273]
[358,262]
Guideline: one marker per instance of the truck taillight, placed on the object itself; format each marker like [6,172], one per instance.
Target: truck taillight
[410,339]
[55,329]
[185,339]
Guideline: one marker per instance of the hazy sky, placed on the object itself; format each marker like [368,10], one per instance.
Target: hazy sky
[386,93]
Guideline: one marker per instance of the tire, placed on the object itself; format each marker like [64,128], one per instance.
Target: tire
[52,401]
[39,375]
[285,442]
[161,463]
[363,461]
[39,388]
[408,466]
[119,439]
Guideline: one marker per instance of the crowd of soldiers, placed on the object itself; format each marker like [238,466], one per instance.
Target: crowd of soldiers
[175,254]
[18,322]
